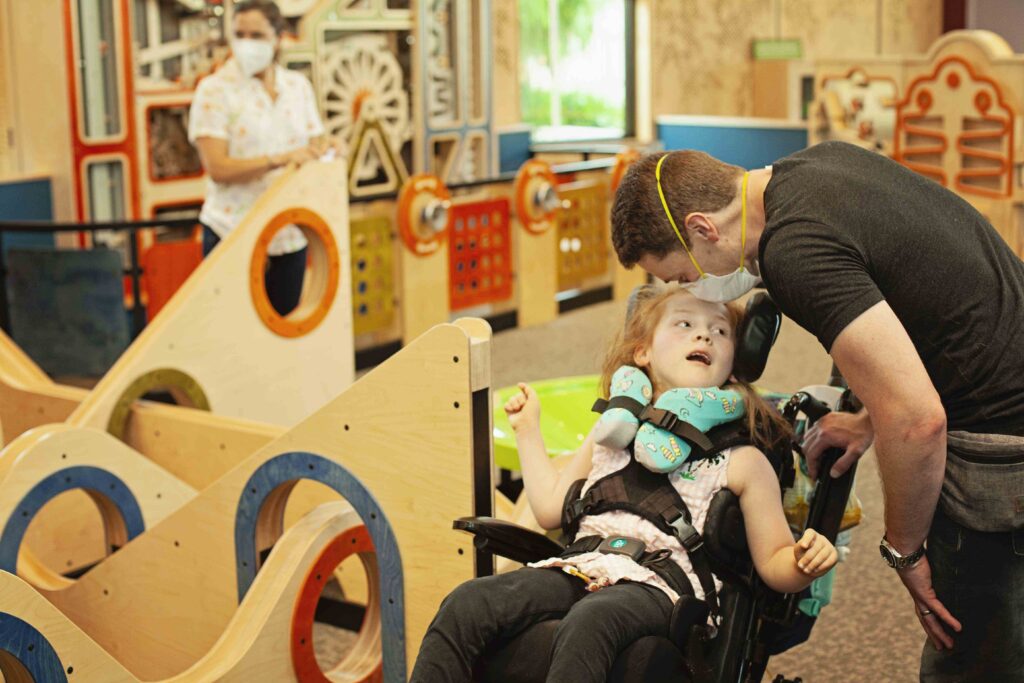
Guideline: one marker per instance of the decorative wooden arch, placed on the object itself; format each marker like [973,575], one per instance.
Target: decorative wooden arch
[930,123]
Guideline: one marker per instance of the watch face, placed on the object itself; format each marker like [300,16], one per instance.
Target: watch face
[887,555]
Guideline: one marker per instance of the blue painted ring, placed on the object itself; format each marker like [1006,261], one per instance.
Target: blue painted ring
[94,479]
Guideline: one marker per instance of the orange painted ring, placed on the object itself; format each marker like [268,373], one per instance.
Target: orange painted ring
[529,175]
[351,542]
[623,160]
[415,194]
[297,323]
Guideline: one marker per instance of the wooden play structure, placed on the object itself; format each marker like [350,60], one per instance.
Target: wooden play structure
[414,424]
[953,115]
[502,247]
[218,346]
[408,90]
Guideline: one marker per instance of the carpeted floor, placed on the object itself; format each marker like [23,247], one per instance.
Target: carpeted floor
[869,633]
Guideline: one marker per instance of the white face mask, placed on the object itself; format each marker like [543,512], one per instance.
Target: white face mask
[722,288]
[716,288]
[253,56]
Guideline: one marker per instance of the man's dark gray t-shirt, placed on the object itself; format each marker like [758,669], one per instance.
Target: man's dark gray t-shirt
[846,228]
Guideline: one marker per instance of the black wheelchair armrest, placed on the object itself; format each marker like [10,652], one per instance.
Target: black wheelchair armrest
[686,613]
[507,539]
[725,539]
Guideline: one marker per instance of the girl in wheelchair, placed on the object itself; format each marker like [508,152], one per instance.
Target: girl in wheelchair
[635,554]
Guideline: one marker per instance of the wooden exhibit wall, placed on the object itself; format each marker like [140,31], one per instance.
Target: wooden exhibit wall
[953,114]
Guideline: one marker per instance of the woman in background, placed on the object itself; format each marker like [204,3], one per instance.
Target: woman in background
[249,119]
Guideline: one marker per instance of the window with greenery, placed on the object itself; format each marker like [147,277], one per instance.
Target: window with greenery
[573,65]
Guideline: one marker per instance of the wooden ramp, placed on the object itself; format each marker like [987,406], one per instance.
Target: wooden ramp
[188,598]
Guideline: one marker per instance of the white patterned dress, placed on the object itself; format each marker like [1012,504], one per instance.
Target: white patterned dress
[231,106]
[697,483]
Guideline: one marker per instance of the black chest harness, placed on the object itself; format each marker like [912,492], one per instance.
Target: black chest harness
[650,495]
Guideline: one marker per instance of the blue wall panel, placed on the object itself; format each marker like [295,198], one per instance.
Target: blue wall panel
[67,308]
[513,149]
[26,200]
[750,143]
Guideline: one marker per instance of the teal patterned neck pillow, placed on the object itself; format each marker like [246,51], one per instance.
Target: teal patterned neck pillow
[657,449]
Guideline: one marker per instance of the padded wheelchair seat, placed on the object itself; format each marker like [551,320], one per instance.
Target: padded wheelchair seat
[725,539]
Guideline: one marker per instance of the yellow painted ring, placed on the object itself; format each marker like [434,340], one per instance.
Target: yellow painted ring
[183,387]
[326,272]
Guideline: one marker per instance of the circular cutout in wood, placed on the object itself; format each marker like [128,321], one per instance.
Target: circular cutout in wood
[323,272]
[183,388]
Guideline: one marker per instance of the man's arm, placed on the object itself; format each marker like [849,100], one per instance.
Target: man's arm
[880,363]
[883,368]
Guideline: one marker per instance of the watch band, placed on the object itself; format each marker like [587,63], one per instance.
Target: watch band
[896,560]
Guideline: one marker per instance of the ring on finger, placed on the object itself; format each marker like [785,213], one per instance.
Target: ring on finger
[925,612]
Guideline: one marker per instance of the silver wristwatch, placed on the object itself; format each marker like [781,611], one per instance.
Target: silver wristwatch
[894,559]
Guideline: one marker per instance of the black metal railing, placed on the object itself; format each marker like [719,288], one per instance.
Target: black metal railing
[135,270]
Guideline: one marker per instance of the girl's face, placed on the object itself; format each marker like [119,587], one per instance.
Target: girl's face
[693,345]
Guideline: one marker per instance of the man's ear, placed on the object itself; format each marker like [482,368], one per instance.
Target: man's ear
[700,225]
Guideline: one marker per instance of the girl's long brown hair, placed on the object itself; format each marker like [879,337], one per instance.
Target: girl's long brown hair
[766,426]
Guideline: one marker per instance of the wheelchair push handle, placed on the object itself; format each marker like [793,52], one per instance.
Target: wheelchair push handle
[803,402]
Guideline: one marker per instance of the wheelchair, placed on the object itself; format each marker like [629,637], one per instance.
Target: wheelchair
[758,622]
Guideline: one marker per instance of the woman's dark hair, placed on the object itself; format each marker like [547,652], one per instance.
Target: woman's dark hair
[268,9]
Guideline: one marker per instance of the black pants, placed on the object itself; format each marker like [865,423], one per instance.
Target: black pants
[979,577]
[283,278]
[595,627]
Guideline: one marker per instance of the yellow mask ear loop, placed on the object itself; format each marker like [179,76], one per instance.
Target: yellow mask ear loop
[743,212]
[664,204]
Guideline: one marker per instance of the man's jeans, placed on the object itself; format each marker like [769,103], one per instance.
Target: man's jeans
[979,577]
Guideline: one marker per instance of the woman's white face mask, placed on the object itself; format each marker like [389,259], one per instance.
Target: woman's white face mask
[253,56]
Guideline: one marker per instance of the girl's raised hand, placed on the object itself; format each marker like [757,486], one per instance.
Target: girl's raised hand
[523,409]
[814,554]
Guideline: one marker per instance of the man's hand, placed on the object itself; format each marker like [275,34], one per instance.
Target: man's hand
[930,612]
[523,410]
[849,431]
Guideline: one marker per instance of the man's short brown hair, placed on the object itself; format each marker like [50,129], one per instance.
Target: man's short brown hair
[692,181]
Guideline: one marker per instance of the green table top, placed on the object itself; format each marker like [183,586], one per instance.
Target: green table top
[565,418]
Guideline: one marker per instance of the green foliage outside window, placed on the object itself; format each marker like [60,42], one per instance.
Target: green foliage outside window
[588,71]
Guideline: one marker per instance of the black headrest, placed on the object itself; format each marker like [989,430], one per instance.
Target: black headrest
[754,339]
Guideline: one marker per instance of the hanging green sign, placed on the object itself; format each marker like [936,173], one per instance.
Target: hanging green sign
[789,48]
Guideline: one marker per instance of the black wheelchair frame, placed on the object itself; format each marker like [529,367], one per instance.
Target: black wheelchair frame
[759,623]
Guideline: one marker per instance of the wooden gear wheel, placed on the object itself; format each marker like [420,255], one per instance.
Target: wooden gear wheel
[536,196]
[422,196]
[363,79]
